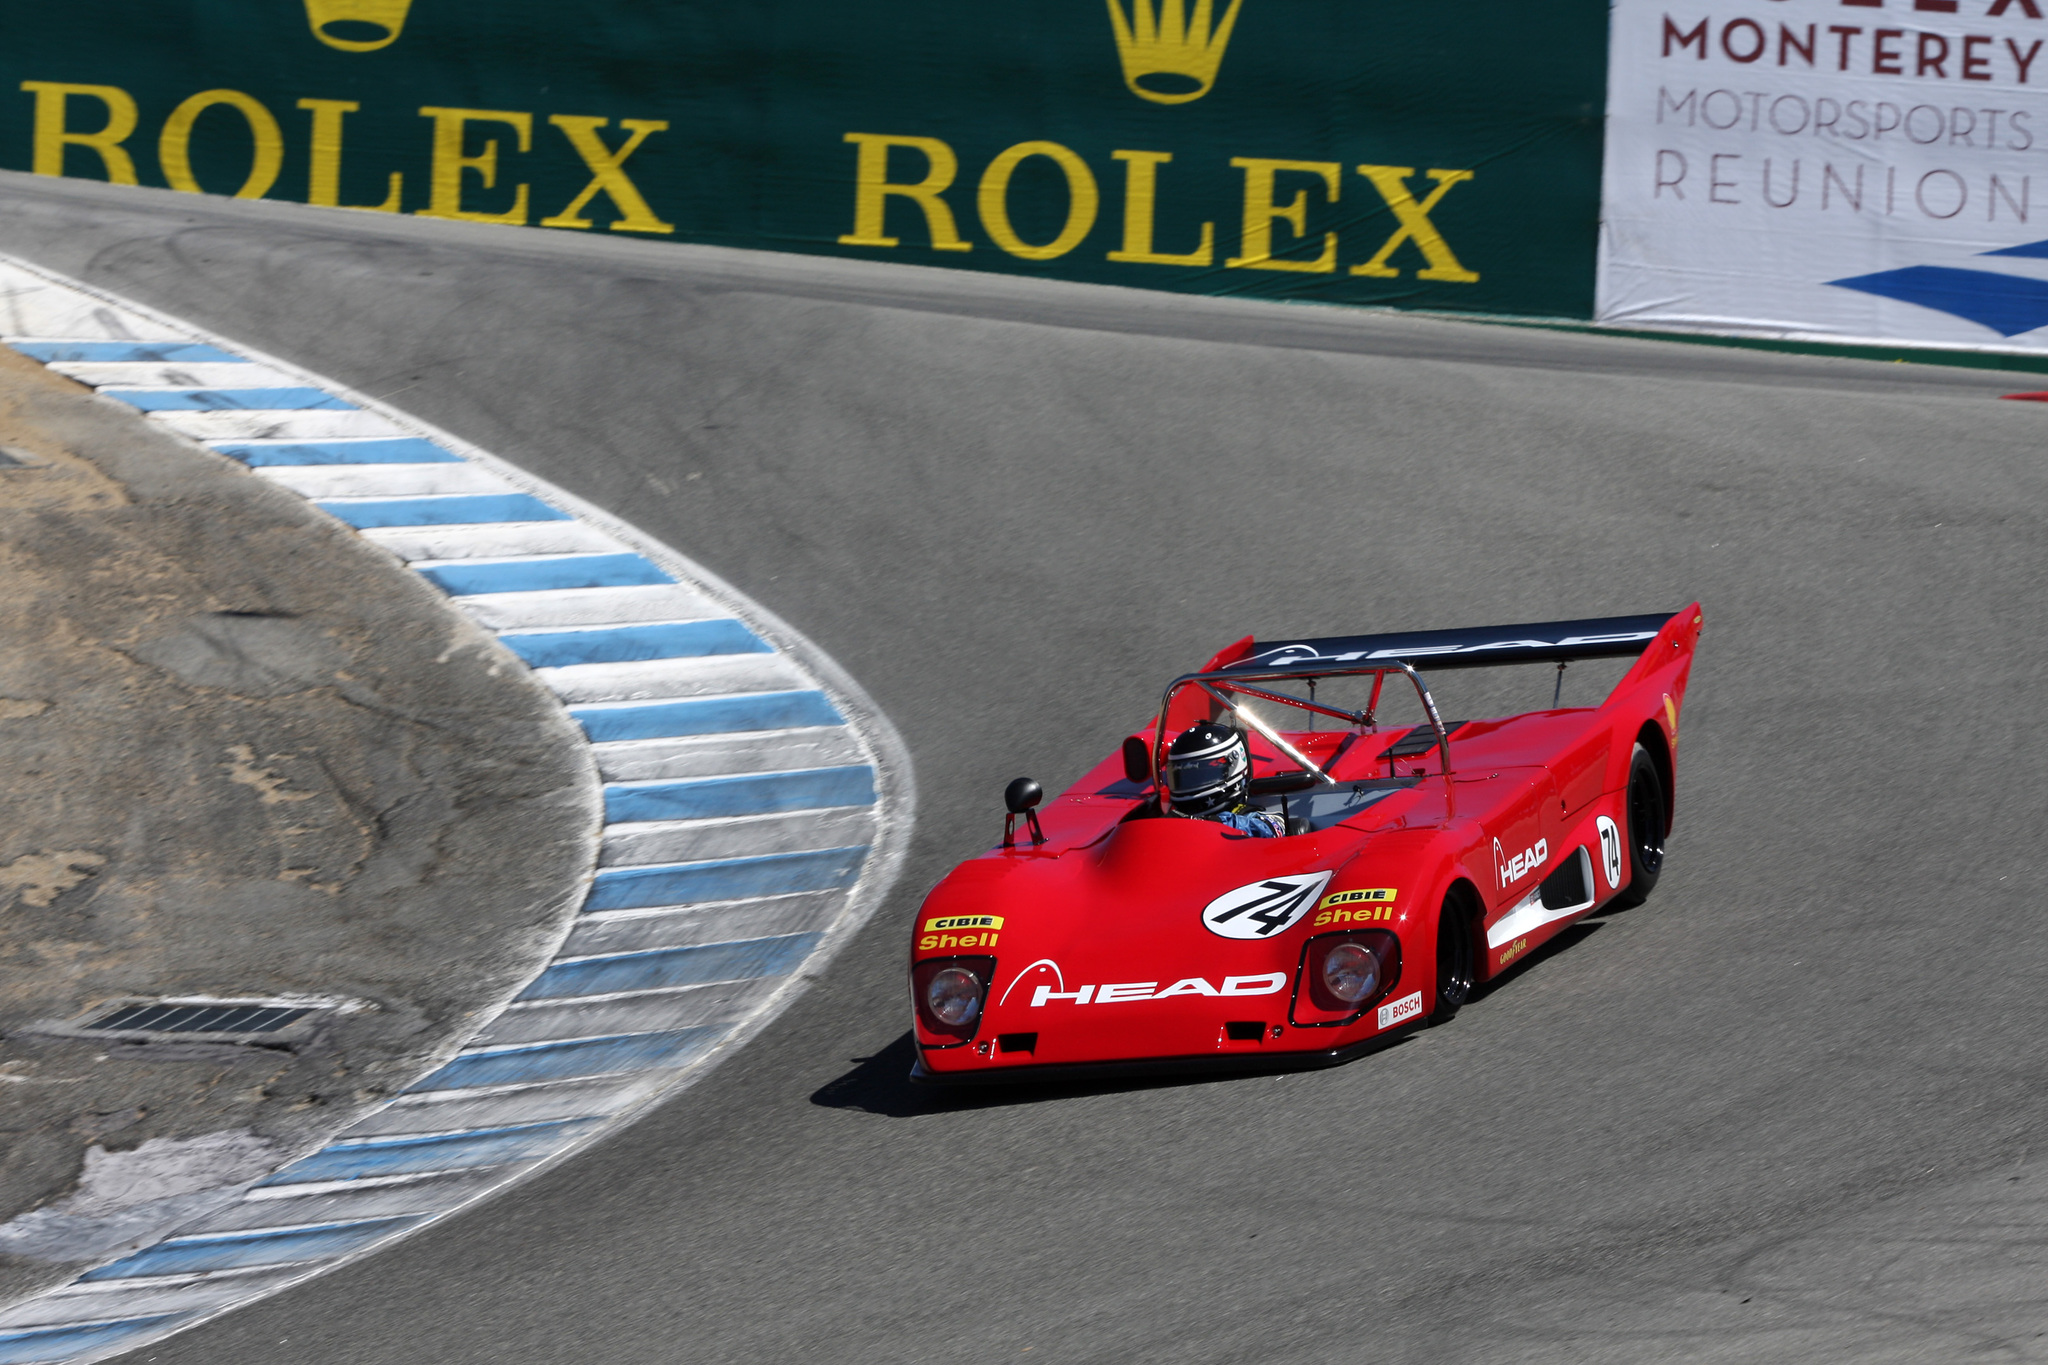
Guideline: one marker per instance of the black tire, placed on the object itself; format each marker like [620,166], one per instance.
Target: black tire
[1647,819]
[1457,957]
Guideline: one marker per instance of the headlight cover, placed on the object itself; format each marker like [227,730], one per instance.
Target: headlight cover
[954,996]
[1344,974]
[1351,972]
[949,994]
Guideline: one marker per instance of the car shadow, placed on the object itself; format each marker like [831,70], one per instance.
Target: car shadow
[1563,943]
[881,1084]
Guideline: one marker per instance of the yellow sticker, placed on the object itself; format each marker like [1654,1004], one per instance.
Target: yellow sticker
[945,922]
[1377,893]
[1364,914]
[973,938]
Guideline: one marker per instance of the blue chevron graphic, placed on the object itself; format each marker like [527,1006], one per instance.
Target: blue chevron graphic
[2007,304]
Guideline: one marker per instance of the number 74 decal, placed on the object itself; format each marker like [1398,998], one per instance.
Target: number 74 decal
[1265,908]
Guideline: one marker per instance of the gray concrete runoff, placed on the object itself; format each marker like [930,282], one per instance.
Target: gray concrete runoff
[1790,1110]
[243,756]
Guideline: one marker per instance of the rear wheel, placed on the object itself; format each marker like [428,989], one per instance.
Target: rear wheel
[1457,957]
[1646,824]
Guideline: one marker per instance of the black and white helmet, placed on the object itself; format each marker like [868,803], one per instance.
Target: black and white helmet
[1207,768]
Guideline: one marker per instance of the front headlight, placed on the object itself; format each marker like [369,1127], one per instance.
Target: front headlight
[954,996]
[1351,972]
[1342,974]
[949,995]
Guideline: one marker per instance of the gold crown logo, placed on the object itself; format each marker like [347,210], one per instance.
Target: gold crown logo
[1177,55]
[357,25]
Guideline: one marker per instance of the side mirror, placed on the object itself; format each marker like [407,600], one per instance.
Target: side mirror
[1020,797]
[1137,760]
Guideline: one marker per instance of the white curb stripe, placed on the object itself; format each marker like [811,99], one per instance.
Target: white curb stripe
[792,797]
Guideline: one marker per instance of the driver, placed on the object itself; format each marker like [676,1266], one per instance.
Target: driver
[1208,770]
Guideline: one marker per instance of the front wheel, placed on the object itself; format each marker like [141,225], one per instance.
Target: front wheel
[1646,825]
[1457,957]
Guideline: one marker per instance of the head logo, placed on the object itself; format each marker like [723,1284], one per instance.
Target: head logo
[1513,869]
[357,25]
[1168,58]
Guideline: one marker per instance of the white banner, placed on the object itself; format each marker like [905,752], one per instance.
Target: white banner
[1854,170]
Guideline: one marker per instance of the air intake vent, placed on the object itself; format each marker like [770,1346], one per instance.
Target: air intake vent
[1420,740]
[199,1019]
[1245,1030]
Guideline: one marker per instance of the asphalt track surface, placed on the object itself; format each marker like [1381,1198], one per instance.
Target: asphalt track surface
[1791,1109]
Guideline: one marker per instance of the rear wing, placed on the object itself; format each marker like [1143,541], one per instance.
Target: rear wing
[1606,637]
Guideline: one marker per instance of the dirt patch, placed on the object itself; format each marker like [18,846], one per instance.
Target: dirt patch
[244,755]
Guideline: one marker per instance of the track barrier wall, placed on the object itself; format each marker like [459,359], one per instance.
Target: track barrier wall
[1428,156]
[1835,170]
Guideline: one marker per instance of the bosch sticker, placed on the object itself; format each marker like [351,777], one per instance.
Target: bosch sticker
[1394,1011]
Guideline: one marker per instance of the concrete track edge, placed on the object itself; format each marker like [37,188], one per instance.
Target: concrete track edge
[716,727]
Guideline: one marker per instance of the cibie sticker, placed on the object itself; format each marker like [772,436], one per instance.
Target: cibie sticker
[1363,893]
[1394,1011]
[1265,908]
[945,922]
[1610,852]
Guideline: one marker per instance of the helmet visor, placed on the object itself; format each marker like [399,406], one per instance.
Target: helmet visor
[1193,776]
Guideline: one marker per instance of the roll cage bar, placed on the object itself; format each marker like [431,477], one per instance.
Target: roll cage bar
[1219,684]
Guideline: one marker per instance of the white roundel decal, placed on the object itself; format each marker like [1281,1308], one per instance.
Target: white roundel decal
[1610,852]
[1265,908]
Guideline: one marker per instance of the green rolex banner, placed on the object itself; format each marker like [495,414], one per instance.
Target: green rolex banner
[1441,156]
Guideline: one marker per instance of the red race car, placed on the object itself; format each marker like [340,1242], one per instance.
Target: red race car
[1274,875]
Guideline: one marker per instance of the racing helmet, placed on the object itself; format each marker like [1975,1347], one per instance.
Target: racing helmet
[1207,768]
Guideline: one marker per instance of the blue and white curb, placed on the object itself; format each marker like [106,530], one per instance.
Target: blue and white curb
[756,808]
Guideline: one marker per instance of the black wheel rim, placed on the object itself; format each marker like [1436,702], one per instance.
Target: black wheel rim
[1646,825]
[1454,961]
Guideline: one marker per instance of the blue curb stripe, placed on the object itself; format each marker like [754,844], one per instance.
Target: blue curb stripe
[709,798]
[218,400]
[540,575]
[663,968]
[727,879]
[233,1250]
[565,1061]
[36,1344]
[795,774]
[161,352]
[398,450]
[706,716]
[630,644]
[438,1152]
[466,510]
